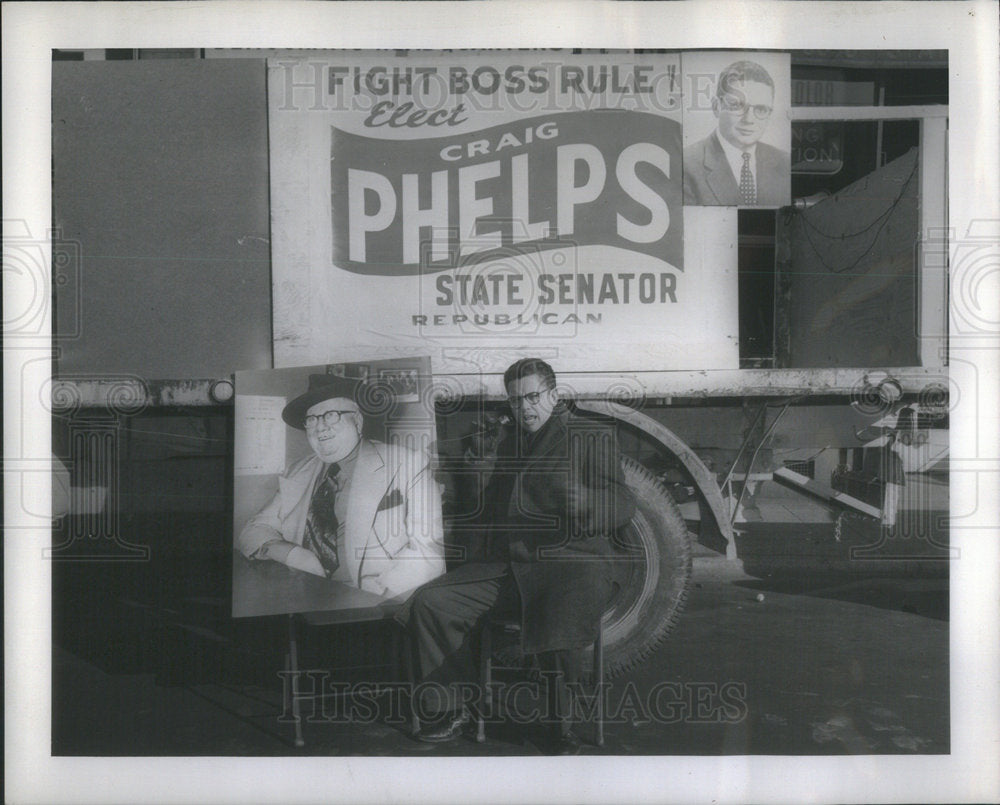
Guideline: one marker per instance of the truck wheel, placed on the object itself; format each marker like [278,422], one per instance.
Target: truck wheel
[651,578]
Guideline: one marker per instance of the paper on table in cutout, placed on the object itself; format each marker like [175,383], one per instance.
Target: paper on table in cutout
[260,435]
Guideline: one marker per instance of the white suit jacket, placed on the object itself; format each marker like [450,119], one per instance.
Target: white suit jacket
[393,532]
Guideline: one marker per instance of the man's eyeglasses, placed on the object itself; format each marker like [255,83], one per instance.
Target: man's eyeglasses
[738,106]
[329,418]
[517,400]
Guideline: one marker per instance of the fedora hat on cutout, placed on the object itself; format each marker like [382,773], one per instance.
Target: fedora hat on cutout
[322,387]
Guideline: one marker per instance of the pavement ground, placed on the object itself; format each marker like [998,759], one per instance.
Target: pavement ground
[801,666]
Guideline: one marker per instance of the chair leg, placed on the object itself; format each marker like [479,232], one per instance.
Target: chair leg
[408,675]
[485,674]
[599,679]
[286,698]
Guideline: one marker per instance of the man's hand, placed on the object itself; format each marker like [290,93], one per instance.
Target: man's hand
[292,555]
[486,435]
[372,585]
[276,549]
[304,559]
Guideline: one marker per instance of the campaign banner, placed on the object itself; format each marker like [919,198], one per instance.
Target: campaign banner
[477,204]
[439,205]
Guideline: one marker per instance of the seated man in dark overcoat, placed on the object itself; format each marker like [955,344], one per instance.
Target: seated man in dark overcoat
[551,500]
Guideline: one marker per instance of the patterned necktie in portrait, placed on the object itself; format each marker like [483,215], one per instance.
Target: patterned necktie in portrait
[748,193]
[322,526]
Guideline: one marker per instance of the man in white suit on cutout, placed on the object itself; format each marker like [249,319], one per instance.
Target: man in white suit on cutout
[357,511]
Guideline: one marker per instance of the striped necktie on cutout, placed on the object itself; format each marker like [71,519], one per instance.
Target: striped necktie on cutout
[322,526]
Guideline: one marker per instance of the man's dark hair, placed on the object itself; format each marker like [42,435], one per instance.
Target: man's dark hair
[527,367]
[740,72]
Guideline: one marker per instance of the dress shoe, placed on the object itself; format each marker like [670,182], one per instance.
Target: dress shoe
[443,730]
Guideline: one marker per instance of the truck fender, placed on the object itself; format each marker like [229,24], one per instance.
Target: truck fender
[719,534]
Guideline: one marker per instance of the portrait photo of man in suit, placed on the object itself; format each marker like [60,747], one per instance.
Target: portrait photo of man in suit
[731,166]
[356,511]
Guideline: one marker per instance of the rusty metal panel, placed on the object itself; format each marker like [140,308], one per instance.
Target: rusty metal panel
[131,392]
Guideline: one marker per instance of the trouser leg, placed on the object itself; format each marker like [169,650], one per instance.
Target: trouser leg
[443,623]
[562,668]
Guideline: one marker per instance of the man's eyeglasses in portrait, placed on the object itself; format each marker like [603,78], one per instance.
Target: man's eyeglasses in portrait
[328,418]
[737,106]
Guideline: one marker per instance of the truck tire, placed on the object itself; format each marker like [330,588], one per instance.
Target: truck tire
[651,577]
